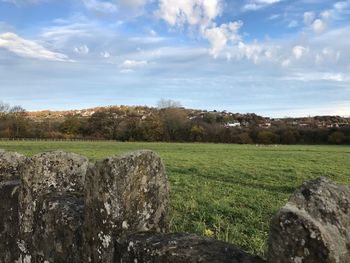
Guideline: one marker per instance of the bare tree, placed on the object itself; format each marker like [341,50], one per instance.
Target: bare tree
[4,107]
[165,104]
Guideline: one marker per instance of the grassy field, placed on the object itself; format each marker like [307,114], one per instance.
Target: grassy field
[229,192]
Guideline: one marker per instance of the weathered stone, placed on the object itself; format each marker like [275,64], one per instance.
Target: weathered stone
[179,248]
[10,164]
[48,181]
[58,232]
[123,194]
[9,222]
[314,226]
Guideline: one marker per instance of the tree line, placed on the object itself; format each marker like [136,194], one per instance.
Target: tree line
[167,123]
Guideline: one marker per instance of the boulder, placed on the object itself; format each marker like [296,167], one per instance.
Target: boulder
[58,232]
[179,248]
[10,164]
[314,226]
[51,198]
[123,194]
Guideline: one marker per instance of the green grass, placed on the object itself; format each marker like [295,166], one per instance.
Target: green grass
[228,191]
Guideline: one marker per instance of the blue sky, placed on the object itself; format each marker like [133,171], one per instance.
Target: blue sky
[272,57]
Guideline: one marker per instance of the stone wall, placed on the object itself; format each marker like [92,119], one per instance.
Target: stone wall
[58,207]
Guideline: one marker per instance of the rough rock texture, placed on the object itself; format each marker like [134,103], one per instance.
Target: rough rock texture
[179,248]
[51,200]
[10,164]
[9,223]
[314,226]
[58,233]
[123,194]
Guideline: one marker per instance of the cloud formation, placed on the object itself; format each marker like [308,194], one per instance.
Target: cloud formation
[219,37]
[253,5]
[100,6]
[299,51]
[130,65]
[133,3]
[201,14]
[28,48]
[82,50]
[191,12]
[24,2]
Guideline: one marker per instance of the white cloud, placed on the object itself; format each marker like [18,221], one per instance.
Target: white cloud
[105,54]
[134,3]
[330,53]
[327,55]
[219,37]
[285,63]
[201,14]
[24,2]
[253,52]
[339,77]
[82,50]
[342,5]
[130,65]
[274,16]
[293,24]
[319,26]
[253,5]
[318,76]
[28,48]
[189,12]
[100,6]
[309,17]
[299,51]
[326,14]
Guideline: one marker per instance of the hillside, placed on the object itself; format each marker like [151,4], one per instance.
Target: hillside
[228,118]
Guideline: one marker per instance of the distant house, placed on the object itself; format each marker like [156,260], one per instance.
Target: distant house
[265,125]
[245,123]
[233,124]
[343,125]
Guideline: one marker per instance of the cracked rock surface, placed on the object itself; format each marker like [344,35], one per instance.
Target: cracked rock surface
[51,204]
[10,165]
[123,194]
[179,248]
[314,226]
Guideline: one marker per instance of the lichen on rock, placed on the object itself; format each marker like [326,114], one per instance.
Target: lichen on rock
[10,165]
[124,194]
[179,248]
[51,203]
[314,226]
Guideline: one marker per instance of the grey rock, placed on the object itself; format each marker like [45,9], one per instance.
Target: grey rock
[46,175]
[10,164]
[9,221]
[123,195]
[314,226]
[58,232]
[179,248]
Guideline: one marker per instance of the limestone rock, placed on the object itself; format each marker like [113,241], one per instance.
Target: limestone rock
[9,188]
[10,163]
[58,232]
[123,195]
[314,226]
[9,222]
[57,174]
[179,248]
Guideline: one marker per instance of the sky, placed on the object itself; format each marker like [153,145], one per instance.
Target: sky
[275,58]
